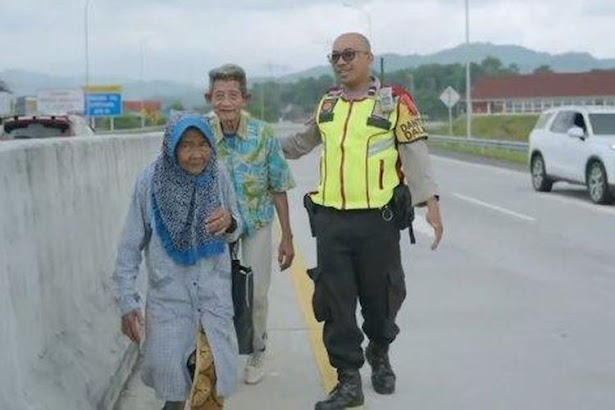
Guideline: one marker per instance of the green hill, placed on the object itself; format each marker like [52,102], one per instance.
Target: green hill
[505,127]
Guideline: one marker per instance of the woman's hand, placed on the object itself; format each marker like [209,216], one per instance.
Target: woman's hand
[219,221]
[133,325]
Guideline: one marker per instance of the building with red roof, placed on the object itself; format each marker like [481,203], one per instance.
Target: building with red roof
[533,93]
[149,106]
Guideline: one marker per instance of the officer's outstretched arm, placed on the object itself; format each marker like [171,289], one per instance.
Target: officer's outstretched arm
[420,178]
[296,146]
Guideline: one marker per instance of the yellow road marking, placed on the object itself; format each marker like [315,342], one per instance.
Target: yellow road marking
[305,290]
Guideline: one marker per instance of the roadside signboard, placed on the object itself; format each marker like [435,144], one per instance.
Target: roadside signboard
[450,97]
[60,101]
[104,101]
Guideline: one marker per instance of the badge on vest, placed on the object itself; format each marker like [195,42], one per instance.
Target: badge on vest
[383,107]
[379,122]
[326,110]
[386,100]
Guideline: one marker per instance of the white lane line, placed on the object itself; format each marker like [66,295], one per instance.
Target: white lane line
[495,207]
[607,209]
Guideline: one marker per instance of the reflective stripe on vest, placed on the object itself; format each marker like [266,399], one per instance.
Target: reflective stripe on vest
[359,160]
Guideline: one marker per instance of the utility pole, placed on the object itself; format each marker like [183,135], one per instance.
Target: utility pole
[262,101]
[468,82]
[142,83]
[86,30]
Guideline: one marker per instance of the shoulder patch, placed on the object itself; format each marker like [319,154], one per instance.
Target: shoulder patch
[409,127]
[406,98]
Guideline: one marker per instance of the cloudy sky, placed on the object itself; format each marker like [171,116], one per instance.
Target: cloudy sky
[183,39]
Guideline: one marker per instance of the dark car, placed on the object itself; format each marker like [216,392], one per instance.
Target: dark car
[44,126]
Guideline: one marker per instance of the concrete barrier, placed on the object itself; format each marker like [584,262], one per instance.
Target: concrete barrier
[62,207]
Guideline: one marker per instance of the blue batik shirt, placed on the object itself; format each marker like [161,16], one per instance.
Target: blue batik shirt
[254,159]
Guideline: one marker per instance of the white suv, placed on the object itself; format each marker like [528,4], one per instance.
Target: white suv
[575,144]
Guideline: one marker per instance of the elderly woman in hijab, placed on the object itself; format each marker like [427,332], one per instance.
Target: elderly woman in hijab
[182,213]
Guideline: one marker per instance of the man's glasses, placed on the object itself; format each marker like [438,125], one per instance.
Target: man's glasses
[347,55]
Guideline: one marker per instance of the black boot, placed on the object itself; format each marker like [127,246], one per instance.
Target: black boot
[383,377]
[347,394]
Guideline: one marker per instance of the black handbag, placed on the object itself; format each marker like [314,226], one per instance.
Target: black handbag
[243,295]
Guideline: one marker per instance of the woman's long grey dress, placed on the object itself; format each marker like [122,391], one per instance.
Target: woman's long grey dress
[180,298]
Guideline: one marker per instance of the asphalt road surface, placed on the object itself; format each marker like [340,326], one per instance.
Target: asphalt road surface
[515,310]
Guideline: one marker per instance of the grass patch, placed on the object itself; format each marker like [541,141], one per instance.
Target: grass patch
[516,157]
[505,127]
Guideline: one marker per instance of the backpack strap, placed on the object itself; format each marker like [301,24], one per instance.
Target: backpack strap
[398,95]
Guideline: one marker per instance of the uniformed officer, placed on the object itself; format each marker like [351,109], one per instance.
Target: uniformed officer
[373,145]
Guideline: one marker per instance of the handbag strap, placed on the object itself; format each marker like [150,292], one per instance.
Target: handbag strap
[233,249]
[248,283]
[246,273]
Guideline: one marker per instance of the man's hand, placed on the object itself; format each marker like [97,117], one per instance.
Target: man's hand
[435,220]
[219,221]
[286,253]
[133,325]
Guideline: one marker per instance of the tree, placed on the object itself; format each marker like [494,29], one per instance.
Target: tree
[514,68]
[4,87]
[177,106]
[545,68]
[270,98]
[491,66]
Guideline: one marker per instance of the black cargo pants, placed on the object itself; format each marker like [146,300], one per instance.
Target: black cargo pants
[358,259]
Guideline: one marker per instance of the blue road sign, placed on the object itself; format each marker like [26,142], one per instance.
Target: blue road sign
[104,104]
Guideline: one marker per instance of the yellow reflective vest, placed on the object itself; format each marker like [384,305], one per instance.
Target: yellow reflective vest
[359,165]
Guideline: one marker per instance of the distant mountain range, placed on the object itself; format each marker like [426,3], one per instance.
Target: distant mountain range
[22,82]
[527,60]
[27,83]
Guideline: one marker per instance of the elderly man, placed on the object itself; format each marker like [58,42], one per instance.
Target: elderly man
[367,130]
[261,177]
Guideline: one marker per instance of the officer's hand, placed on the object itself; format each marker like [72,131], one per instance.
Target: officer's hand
[133,325]
[435,220]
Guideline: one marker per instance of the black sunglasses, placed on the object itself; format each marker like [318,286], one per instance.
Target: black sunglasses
[347,55]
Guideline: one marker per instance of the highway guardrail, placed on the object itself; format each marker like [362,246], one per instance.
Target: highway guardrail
[484,143]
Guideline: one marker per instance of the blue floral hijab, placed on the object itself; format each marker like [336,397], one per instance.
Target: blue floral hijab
[182,202]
